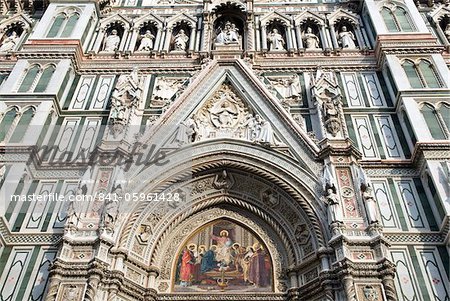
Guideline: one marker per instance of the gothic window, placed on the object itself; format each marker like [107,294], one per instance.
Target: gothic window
[6,122]
[44,79]
[63,25]
[432,120]
[421,75]
[396,19]
[37,79]
[444,112]
[29,79]
[22,125]
[70,25]
[412,74]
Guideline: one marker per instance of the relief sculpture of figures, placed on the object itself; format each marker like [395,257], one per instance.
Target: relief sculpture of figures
[180,41]
[228,34]
[125,97]
[311,41]
[112,42]
[346,38]
[289,88]
[10,42]
[276,41]
[147,41]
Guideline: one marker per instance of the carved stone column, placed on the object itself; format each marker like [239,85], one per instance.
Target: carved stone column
[349,288]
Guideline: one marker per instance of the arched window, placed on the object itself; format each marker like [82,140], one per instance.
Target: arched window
[432,121]
[22,126]
[444,110]
[412,74]
[44,79]
[63,25]
[37,79]
[56,26]
[389,20]
[421,75]
[29,79]
[396,19]
[6,122]
[428,74]
[70,25]
[403,19]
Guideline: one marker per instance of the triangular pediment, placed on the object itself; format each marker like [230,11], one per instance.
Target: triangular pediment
[22,19]
[226,103]
[116,18]
[309,15]
[275,16]
[343,14]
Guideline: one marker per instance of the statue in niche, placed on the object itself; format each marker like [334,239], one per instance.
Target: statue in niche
[371,205]
[370,294]
[310,40]
[346,38]
[276,41]
[10,42]
[330,108]
[333,208]
[112,42]
[146,41]
[447,31]
[180,41]
[228,34]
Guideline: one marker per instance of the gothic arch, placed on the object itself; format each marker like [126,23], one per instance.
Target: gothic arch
[287,180]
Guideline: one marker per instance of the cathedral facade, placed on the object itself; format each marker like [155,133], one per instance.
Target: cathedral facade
[224,150]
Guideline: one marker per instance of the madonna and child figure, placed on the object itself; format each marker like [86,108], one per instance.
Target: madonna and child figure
[215,253]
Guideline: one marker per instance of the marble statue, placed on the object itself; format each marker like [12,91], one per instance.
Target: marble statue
[266,134]
[371,205]
[288,87]
[228,34]
[186,132]
[346,38]
[276,41]
[332,201]
[180,41]
[311,41]
[10,42]
[146,41]
[112,42]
